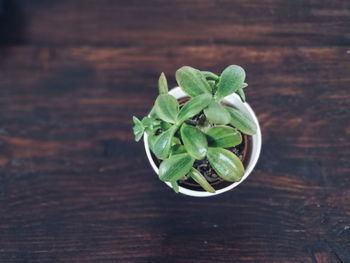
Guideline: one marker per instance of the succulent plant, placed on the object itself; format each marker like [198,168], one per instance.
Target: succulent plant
[178,138]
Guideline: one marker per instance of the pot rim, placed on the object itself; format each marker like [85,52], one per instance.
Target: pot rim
[232,99]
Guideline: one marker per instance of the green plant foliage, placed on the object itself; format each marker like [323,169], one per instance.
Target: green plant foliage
[177,149]
[193,107]
[200,129]
[165,125]
[228,166]
[194,141]
[162,143]
[150,124]
[192,81]
[162,84]
[166,108]
[241,94]
[175,140]
[210,75]
[138,128]
[175,186]
[216,113]
[213,86]
[153,113]
[223,136]
[231,79]
[200,179]
[242,121]
[151,140]
[175,167]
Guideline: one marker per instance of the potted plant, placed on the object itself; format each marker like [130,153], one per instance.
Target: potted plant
[201,138]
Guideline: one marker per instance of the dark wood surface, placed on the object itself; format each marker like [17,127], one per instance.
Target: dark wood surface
[75,187]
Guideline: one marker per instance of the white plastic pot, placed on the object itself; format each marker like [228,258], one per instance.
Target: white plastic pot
[235,101]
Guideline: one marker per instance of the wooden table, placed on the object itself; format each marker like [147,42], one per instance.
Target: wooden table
[75,187]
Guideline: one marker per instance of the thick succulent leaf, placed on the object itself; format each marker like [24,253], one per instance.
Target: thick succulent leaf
[231,79]
[177,149]
[175,167]
[151,140]
[227,165]
[162,143]
[153,113]
[193,107]
[200,179]
[212,85]
[149,122]
[210,75]
[241,94]
[194,141]
[242,121]
[175,186]
[152,131]
[175,140]
[192,81]
[166,108]
[138,128]
[162,84]
[216,113]
[223,136]
[165,125]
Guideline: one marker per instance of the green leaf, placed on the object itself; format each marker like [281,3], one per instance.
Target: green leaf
[165,125]
[192,81]
[212,85]
[163,84]
[223,136]
[200,179]
[193,107]
[210,75]
[175,186]
[150,122]
[216,113]
[147,122]
[153,113]
[166,108]
[194,141]
[227,165]
[151,131]
[241,94]
[138,128]
[162,143]
[175,140]
[242,121]
[175,167]
[151,140]
[231,79]
[177,149]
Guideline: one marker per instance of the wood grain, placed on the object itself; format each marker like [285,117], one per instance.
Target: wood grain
[179,22]
[75,187]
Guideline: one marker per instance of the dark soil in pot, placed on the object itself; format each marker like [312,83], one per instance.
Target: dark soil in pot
[243,151]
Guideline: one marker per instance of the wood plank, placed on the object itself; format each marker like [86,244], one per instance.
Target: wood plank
[178,22]
[75,188]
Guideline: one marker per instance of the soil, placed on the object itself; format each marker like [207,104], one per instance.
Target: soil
[242,151]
